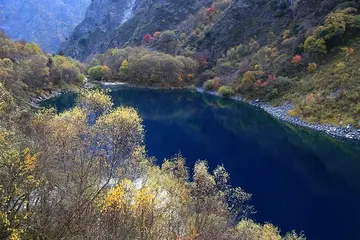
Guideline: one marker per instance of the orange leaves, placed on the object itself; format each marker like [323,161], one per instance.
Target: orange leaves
[348,51]
[30,160]
[156,34]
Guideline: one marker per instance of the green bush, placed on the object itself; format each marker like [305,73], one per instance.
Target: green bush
[99,72]
[226,91]
[212,85]
[141,66]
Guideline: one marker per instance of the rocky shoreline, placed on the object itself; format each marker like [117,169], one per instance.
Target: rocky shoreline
[35,101]
[281,113]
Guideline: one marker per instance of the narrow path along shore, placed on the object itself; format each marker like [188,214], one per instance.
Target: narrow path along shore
[281,113]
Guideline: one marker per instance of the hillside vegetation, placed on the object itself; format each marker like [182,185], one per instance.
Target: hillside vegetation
[84,173]
[306,56]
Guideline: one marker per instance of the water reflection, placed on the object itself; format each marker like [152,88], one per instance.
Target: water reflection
[299,178]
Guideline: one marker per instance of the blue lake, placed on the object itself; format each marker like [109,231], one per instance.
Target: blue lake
[299,179]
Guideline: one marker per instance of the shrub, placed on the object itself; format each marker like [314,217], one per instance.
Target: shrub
[124,69]
[296,59]
[348,51]
[314,45]
[99,72]
[147,38]
[212,85]
[286,34]
[226,91]
[293,113]
[312,67]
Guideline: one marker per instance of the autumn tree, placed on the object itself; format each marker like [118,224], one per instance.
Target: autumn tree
[79,159]
[124,69]
[18,174]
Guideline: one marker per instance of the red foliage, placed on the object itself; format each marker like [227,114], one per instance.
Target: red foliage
[264,84]
[272,77]
[258,83]
[203,61]
[296,59]
[211,10]
[147,38]
[310,97]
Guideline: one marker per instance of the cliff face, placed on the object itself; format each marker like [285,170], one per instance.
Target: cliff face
[45,22]
[101,18]
[116,23]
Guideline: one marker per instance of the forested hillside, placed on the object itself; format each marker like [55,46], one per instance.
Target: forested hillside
[44,22]
[299,52]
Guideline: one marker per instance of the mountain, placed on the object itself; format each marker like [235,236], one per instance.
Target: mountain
[45,22]
[114,23]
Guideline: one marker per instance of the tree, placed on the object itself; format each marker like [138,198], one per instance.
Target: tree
[79,159]
[18,170]
[99,72]
[124,69]
[147,38]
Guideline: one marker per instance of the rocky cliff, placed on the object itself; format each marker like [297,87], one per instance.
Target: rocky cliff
[45,22]
[101,18]
[117,23]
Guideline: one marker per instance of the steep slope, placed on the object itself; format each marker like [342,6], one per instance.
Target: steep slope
[106,24]
[101,18]
[44,22]
[264,20]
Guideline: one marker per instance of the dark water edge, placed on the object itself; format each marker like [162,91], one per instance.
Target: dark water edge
[300,179]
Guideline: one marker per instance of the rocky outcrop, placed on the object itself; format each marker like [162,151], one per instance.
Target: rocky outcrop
[101,18]
[97,32]
[44,22]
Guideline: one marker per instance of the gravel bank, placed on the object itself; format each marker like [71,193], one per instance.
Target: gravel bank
[281,112]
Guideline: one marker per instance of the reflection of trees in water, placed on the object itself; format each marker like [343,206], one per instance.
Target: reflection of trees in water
[156,104]
[204,117]
[340,159]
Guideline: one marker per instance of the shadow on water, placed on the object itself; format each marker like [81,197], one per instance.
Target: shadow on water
[299,179]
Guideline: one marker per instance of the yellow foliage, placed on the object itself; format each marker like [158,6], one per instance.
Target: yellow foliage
[118,197]
[125,117]
[15,235]
[68,125]
[249,77]
[247,229]
[293,113]
[95,100]
[30,160]
[286,34]
[312,67]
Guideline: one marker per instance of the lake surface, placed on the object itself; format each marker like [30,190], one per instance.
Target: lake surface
[299,179]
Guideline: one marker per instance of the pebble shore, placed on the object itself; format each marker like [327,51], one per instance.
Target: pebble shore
[281,112]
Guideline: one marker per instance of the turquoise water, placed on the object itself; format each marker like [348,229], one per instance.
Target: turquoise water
[299,179]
